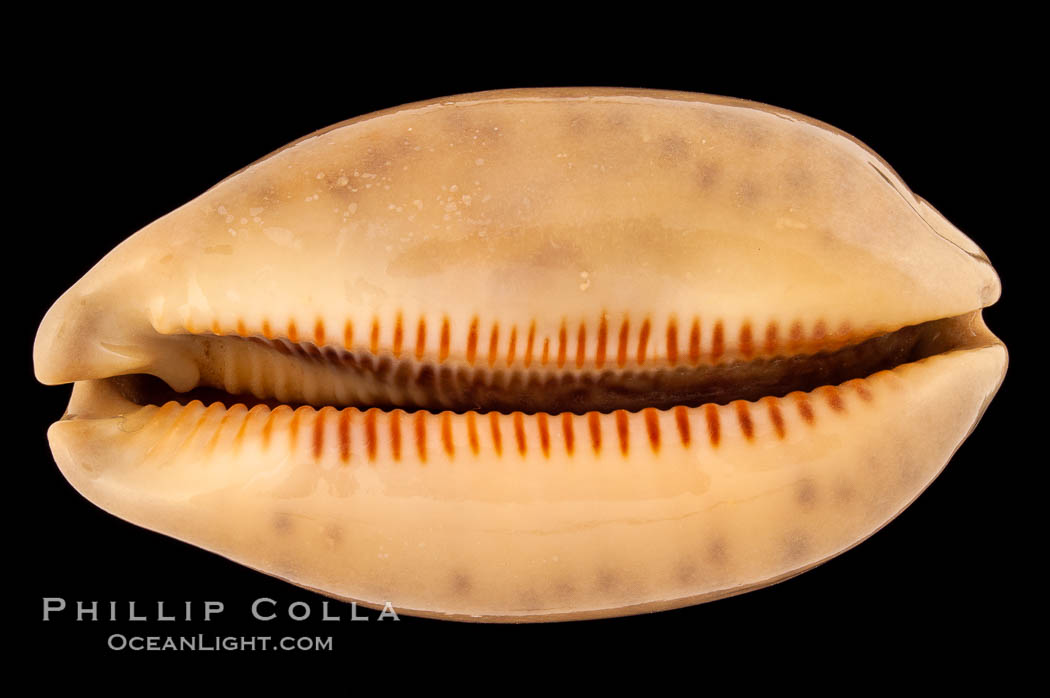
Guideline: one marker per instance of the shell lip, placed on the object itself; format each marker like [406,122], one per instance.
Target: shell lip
[556,392]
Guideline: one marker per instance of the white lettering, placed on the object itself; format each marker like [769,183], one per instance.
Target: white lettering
[255,609]
[82,610]
[388,612]
[53,603]
[131,613]
[306,611]
[324,612]
[213,607]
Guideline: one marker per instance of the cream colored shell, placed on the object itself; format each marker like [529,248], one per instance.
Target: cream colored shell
[555,231]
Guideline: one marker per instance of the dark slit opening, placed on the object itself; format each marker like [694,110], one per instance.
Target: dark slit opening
[529,391]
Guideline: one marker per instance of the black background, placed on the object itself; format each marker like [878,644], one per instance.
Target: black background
[117,138]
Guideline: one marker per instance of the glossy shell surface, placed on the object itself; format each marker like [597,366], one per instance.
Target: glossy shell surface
[451,297]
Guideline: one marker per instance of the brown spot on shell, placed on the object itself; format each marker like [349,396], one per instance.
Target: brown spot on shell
[806,493]
[375,335]
[530,601]
[375,160]
[461,584]
[844,492]
[282,523]
[798,179]
[908,469]
[333,535]
[796,546]
[717,552]
[319,338]
[708,175]
[607,580]
[563,590]
[674,148]
[685,572]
